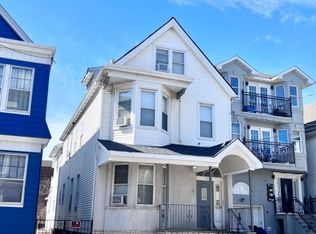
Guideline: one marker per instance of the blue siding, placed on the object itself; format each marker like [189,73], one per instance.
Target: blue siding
[7,32]
[22,220]
[33,125]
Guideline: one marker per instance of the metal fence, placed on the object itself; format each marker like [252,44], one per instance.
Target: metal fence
[64,226]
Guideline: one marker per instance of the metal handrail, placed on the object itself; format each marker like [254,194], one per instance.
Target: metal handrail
[238,218]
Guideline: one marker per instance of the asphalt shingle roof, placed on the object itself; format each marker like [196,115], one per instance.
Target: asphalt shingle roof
[172,149]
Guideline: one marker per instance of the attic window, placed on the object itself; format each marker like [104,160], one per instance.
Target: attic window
[170,62]
[162,60]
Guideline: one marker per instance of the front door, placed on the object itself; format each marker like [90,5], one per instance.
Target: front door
[218,204]
[287,195]
[203,204]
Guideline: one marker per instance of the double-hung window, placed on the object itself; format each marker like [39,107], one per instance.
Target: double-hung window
[297,140]
[170,62]
[12,179]
[162,60]
[178,62]
[293,96]
[120,187]
[145,192]
[71,194]
[235,130]
[124,107]
[164,118]
[234,82]
[77,192]
[206,123]
[20,89]
[147,113]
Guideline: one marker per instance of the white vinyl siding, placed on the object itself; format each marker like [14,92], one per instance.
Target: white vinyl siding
[145,191]
[77,193]
[71,194]
[147,113]
[12,179]
[206,124]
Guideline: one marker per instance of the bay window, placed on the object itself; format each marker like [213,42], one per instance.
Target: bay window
[206,124]
[164,120]
[147,112]
[12,178]
[124,108]
[145,191]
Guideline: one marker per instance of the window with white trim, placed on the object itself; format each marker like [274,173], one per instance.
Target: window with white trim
[145,191]
[124,104]
[12,178]
[235,130]
[294,96]
[120,183]
[206,124]
[297,140]
[20,89]
[234,82]
[77,192]
[164,117]
[148,105]
[162,60]
[178,62]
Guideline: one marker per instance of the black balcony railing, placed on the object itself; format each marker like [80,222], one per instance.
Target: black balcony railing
[184,217]
[274,152]
[260,103]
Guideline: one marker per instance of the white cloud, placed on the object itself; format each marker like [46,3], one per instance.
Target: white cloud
[286,10]
[268,38]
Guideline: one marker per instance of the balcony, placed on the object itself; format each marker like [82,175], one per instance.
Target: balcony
[274,152]
[267,104]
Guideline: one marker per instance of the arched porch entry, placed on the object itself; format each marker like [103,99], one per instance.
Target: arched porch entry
[235,158]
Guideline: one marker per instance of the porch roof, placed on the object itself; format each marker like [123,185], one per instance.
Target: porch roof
[172,149]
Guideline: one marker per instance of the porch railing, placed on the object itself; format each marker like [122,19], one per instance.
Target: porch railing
[184,217]
[260,103]
[274,152]
[310,202]
[64,226]
[239,219]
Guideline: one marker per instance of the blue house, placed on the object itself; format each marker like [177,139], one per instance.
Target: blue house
[24,76]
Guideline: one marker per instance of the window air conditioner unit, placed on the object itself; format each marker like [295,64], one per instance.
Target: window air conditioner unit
[119,199]
[123,121]
[162,67]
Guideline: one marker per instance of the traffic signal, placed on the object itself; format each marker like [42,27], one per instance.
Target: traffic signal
[270,192]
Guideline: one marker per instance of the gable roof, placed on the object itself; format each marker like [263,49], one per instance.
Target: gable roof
[14,27]
[308,80]
[238,59]
[173,23]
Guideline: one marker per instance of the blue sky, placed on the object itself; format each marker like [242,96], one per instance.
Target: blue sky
[271,35]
